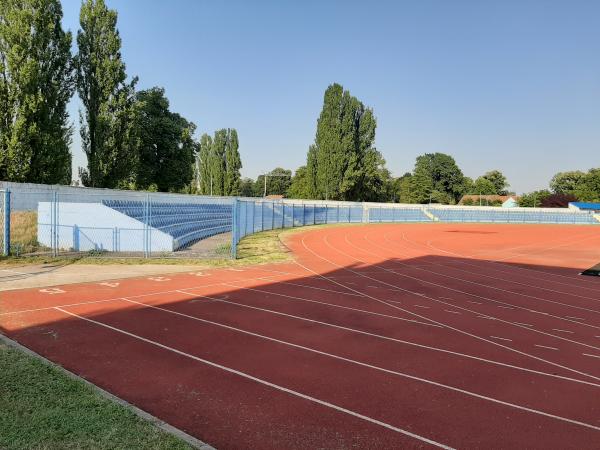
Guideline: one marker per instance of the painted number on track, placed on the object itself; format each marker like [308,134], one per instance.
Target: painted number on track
[159,279]
[52,291]
[108,284]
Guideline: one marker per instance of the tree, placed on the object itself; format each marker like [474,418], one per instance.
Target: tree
[498,180]
[233,164]
[299,186]
[166,147]
[108,131]
[247,187]
[534,199]
[403,185]
[588,189]
[217,163]
[436,177]
[483,186]
[36,83]
[278,182]
[203,164]
[558,200]
[343,164]
[566,182]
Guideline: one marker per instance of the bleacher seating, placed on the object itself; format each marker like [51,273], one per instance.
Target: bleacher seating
[503,215]
[186,222]
[398,215]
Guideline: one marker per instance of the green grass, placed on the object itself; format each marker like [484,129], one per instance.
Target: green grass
[41,407]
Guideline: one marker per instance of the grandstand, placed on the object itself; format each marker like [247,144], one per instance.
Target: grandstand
[408,214]
[185,222]
[512,215]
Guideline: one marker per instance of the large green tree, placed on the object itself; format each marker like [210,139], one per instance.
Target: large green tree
[107,124]
[498,180]
[278,182]
[588,189]
[299,185]
[436,178]
[484,186]
[566,182]
[35,87]
[166,148]
[220,163]
[343,163]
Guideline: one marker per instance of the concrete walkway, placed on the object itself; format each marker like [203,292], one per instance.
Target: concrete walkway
[42,275]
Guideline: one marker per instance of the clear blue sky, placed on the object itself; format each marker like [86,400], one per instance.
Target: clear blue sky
[509,85]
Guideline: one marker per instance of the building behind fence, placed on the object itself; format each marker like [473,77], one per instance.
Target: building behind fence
[41,219]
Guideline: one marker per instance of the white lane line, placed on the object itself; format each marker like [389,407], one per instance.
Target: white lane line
[458,330]
[485,285]
[486,317]
[453,312]
[574,318]
[421,306]
[501,338]
[563,331]
[320,289]
[505,307]
[524,324]
[545,346]
[471,301]
[387,338]
[593,356]
[284,389]
[293,297]
[352,361]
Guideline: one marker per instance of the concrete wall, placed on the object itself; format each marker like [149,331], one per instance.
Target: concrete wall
[93,226]
[26,196]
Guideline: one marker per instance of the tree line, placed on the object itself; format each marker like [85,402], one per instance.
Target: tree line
[131,139]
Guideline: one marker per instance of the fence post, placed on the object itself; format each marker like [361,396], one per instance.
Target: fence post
[6,212]
[234,227]
[54,223]
[146,219]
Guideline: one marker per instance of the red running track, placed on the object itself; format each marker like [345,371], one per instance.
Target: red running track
[378,336]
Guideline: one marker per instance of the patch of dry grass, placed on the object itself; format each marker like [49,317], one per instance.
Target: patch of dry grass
[23,232]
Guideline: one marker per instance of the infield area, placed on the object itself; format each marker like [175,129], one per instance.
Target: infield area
[375,336]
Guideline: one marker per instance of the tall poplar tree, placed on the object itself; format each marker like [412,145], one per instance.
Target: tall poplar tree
[343,164]
[233,164]
[217,162]
[203,163]
[107,123]
[35,87]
